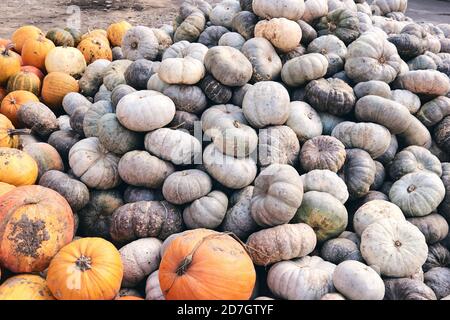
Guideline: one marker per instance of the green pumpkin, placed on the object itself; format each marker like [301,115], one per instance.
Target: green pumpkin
[343,23]
[76,34]
[60,37]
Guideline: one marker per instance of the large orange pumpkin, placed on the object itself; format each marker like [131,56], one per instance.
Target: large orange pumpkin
[55,87]
[34,70]
[94,49]
[5,187]
[9,63]
[24,80]
[25,287]
[9,136]
[23,34]
[17,167]
[12,103]
[116,32]
[35,223]
[206,265]
[35,51]
[86,269]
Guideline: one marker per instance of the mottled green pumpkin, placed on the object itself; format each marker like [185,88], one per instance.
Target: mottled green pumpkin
[61,37]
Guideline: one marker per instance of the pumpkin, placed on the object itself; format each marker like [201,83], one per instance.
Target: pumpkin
[387,6]
[388,244]
[325,181]
[35,50]
[437,280]
[119,92]
[73,100]
[117,53]
[46,157]
[234,278]
[444,206]
[343,23]
[315,10]
[85,262]
[359,172]
[289,9]
[308,32]
[206,212]
[390,153]
[323,152]
[5,188]
[303,69]
[144,219]
[185,121]
[333,296]
[39,118]
[184,49]
[179,187]
[140,43]
[438,256]
[190,28]
[211,35]
[22,34]
[152,287]
[114,74]
[60,37]
[36,223]
[66,60]
[17,167]
[13,102]
[153,111]
[339,250]
[25,287]
[187,71]
[432,112]
[76,34]
[307,278]
[284,34]
[94,49]
[239,94]
[414,159]
[222,14]
[434,227]
[374,88]
[265,61]
[8,134]
[139,72]
[92,78]
[135,194]
[277,145]
[408,99]
[407,289]
[190,6]
[94,165]
[277,195]
[55,86]
[96,33]
[416,135]
[9,64]
[93,115]
[116,32]
[229,66]
[25,81]
[356,281]
[244,23]
[304,121]
[213,89]
[77,118]
[410,42]
[63,141]
[282,242]
[427,82]
[441,134]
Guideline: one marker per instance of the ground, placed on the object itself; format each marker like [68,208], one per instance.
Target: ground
[100,13]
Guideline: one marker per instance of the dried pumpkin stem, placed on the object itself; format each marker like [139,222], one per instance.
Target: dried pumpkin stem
[15,132]
[84,263]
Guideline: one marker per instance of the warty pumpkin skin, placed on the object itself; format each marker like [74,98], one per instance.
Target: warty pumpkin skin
[35,50]
[13,102]
[36,222]
[55,86]
[25,81]
[86,269]
[22,34]
[66,60]
[17,167]
[323,152]
[25,287]
[182,276]
[46,157]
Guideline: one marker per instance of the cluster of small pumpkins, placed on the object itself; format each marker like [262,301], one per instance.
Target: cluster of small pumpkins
[255,149]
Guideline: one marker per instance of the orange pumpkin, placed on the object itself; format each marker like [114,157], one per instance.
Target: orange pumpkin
[34,70]
[96,33]
[129,298]
[55,87]
[9,63]
[25,287]
[206,265]
[23,34]
[94,49]
[8,134]
[35,51]
[12,103]
[86,269]
[5,187]
[17,167]
[116,32]
[24,80]
[35,223]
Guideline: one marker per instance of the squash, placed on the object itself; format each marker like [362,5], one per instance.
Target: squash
[416,135]
[139,259]
[190,28]
[119,92]
[308,32]
[214,90]
[25,287]
[94,165]
[314,10]
[185,121]
[187,98]
[92,78]
[432,112]
[437,280]
[229,171]
[325,181]
[407,289]
[5,188]
[139,72]
[65,60]
[153,111]
[60,37]
[244,23]
[222,14]
[388,244]
[36,222]
[55,86]
[434,227]
[35,51]
[152,287]
[323,152]
[265,61]
[408,99]
[22,34]
[206,212]
[282,242]
[304,121]
[144,219]
[234,279]
[414,159]
[73,100]
[333,296]
[359,172]
[238,218]
[8,134]
[184,49]
[140,43]
[343,23]
[387,6]
[357,281]
[25,81]
[116,32]
[441,134]
[229,66]
[46,157]
[289,9]
[94,49]
[327,45]
[444,206]
[186,186]
[114,74]
[135,194]
[189,6]
[211,35]
[17,167]
[9,63]
[438,256]
[307,278]
[239,94]
[92,117]
[284,34]
[266,103]
[374,88]
[427,82]
[298,71]
[39,118]
[89,260]
[339,250]
[13,102]
[96,33]
[380,176]
[277,145]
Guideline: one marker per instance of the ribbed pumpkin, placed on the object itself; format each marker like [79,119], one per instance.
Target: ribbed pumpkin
[17,167]
[9,63]
[94,49]
[60,37]
[206,265]
[8,134]
[35,223]
[26,81]
[86,269]
[34,70]
[13,101]
[116,32]
[21,35]
[55,86]
[35,51]
[25,287]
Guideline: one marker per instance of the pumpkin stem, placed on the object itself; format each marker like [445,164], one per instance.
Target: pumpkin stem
[236,124]
[83,263]
[411,188]
[7,48]
[184,265]
[398,243]
[14,132]
[178,126]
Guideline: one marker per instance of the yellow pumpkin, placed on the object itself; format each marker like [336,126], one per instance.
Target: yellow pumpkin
[116,32]
[21,35]
[9,64]
[55,87]
[13,102]
[35,51]
[8,134]
[5,187]
[94,49]
[25,287]
[17,167]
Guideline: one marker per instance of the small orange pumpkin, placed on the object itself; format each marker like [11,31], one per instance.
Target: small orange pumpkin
[116,32]
[9,63]
[35,51]
[25,287]
[55,87]
[35,223]
[34,70]
[206,265]
[12,103]
[23,34]
[5,187]
[94,49]
[17,167]
[26,81]
[86,269]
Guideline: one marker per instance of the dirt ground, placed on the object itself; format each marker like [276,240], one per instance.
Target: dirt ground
[89,14]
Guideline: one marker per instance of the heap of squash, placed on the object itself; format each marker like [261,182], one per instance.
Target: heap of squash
[255,149]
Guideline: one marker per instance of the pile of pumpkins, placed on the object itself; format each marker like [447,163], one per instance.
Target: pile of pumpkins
[291,149]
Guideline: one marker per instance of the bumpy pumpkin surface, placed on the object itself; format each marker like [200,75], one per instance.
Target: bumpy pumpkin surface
[17,167]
